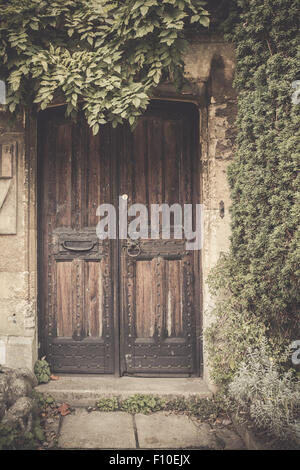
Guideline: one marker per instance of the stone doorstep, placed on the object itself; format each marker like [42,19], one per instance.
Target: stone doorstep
[85,390]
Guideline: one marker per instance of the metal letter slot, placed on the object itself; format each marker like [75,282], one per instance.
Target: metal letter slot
[79,247]
[69,244]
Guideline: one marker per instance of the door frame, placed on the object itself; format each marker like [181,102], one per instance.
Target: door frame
[31,154]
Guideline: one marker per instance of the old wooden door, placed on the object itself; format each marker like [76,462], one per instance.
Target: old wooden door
[76,290]
[158,277]
[117,304]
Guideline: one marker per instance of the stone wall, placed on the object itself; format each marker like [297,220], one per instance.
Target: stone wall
[210,63]
[17,407]
[209,69]
[17,286]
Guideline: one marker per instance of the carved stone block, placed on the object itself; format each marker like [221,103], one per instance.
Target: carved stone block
[8,188]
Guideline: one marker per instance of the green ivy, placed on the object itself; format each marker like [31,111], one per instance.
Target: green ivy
[106,55]
[108,404]
[258,282]
[42,400]
[144,404]
[204,408]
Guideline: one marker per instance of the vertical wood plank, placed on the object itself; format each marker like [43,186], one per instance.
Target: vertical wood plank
[158,280]
[174,298]
[171,130]
[93,176]
[140,159]
[62,183]
[93,299]
[155,161]
[144,298]
[65,301]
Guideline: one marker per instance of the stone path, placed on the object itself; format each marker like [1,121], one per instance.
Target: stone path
[118,430]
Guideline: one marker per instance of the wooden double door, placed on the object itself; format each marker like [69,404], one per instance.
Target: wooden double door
[114,305]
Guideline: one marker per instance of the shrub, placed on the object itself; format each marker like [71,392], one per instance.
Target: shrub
[270,399]
[14,438]
[258,281]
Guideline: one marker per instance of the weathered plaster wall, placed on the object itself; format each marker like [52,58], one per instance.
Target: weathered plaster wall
[209,68]
[210,63]
[17,275]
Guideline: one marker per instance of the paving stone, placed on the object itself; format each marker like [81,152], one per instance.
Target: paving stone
[97,430]
[171,431]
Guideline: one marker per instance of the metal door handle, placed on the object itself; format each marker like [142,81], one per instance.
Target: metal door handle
[133,248]
[78,248]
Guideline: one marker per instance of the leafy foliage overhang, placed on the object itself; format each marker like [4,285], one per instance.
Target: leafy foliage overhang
[106,54]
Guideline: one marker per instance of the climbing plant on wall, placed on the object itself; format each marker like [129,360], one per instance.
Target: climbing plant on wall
[106,54]
[260,276]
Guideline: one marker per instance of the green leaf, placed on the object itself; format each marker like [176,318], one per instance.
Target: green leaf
[90,40]
[204,20]
[34,25]
[95,129]
[144,10]
[195,18]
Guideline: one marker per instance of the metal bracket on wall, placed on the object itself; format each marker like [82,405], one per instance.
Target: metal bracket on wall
[222,209]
